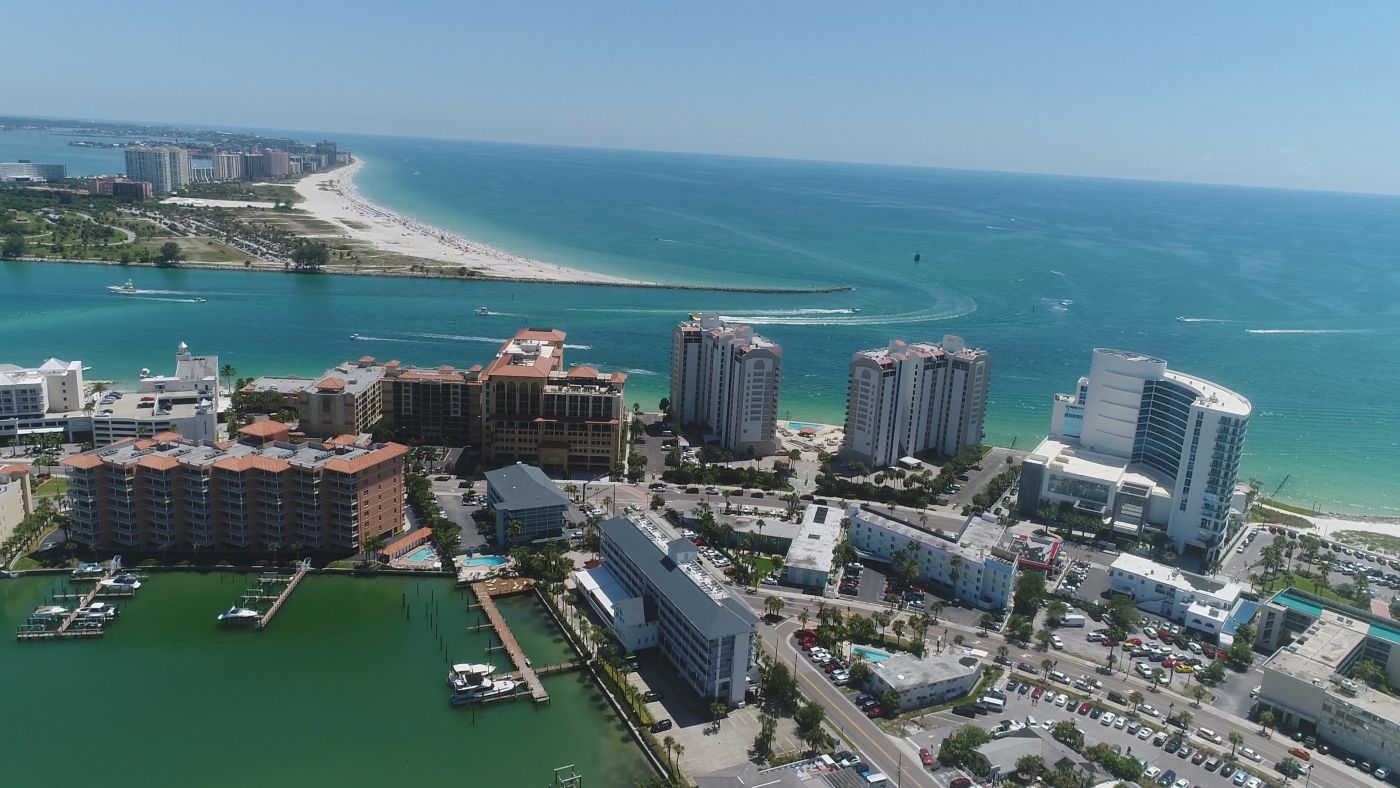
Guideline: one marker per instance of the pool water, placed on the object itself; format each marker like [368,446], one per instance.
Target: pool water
[424,553]
[870,654]
[797,425]
[484,560]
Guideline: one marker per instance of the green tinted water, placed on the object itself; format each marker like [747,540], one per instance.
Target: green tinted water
[342,689]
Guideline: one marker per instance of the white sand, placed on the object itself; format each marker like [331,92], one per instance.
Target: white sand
[206,203]
[331,197]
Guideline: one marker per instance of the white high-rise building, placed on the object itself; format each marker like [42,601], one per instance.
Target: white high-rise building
[228,166]
[168,169]
[727,378]
[909,398]
[1143,447]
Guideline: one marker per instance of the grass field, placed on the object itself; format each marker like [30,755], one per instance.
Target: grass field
[1381,543]
[1288,507]
[1260,514]
[54,486]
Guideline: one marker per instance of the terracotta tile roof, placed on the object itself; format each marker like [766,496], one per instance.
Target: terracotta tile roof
[158,462]
[250,461]
[330,384]
[366,360]
[384,453]
[619,377]
[265,428]
[166,437]
[87,461]
[583,371]
[342,440]
[418,535]
[13,470]
[541,334]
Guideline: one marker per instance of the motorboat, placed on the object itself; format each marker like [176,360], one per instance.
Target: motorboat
[49,613]
[123,582]
[88,571]
[198,300]
[476,693]
[481,310]
[98,611]
[473,673]
[239,615]
[125,288]
[357,337]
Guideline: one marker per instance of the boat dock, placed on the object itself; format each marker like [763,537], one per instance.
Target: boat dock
[302,569]
[66,628]
[485,593]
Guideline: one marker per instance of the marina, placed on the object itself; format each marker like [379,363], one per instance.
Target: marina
[88,618]
[486,593]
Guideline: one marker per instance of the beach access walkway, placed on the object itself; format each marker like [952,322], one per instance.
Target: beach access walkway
[485,593]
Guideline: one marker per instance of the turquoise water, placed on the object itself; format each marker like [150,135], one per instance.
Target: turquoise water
[1292,298]
[424,553]
[484,560]
[870,654]
[797,425]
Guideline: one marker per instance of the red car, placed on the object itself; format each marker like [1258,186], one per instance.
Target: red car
[1086,708]
[1037,692]
[1109,642]
[1209,651]
[925,756]
[960,782]
[874,711]
[1168,662]
[1133,642]
[832,666]
[805,633]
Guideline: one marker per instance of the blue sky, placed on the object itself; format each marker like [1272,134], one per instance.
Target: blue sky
[1291,94]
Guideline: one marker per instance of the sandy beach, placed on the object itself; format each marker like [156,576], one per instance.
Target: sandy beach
[332,197]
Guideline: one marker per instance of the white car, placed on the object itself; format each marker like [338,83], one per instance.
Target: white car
[1249,753]
[1150,711]
[1253,782]
[1120,722]
[1107,718]
[1144,733]
[1152,773]
[1057,643]
[1030,721]
[1061,699]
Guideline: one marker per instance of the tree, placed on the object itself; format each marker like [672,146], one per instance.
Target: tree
[1030,592]
[14,246]
[1054,612]
[1067,733]
[780,688]
[1370,672]
[881,619]
[1002,651]
[987,621]
[773,606]
[809,718]
[1197,693]
[311,256]
[1020,628]
[1043,637]
[372,546]
[959,747]
[1242,649]
[1236,739]
[514,529]
[1290,767]
[1183,719]
[1213,673]
[169,254]
[1266,719]
[889,701]
[898,627]
[658,502]
[1030,766]
[717,712]
[1124,613]
[767,728]
[1046,665]
[227,373]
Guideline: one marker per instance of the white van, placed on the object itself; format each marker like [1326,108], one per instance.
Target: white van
[992,704]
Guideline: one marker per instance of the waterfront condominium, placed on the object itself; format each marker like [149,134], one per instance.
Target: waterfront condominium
[440,406]
[535,412]
[910,398]
[166,168]
[726,379]
[1146,450]
[346,400]
[652,591]
[169,492]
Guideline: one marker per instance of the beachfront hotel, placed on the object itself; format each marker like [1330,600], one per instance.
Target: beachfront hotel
[170,492]
[974,559]
[726,379]
[1147,450]
[653,592]
[167,168]
[905,399]
[535,412]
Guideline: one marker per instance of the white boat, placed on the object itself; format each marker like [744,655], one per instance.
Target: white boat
[98,611]
[120,583]
[485,690]
[199,300]
[481,310]
[88,571]
[126,288]
[473,673]
[356,336]
[50,613]
[239,615]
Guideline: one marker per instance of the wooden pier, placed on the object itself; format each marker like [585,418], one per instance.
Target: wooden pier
[286,594]
[65,628]
[485,593]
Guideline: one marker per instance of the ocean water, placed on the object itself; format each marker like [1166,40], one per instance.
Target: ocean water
[1288,297]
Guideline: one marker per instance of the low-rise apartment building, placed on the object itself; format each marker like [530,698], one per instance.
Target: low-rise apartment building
[707,634]
[809,560]
[1197,602]
[927,680]
[972,558]
[522,493]
[171,492]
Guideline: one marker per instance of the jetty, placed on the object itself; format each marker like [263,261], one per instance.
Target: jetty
[66,628]
[485,593]
[302,569]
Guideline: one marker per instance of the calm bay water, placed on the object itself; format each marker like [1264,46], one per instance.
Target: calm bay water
[1288,297]
[340,690]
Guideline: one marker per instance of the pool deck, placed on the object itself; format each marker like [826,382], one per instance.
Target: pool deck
[485,593]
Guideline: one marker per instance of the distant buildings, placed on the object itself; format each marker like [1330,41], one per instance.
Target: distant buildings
[1199,603]
[523,494]
[116,186]
[25,170]
[726,378]
[167,168]
[1143,449]
[170,492]
[808,564]
[52,387]
[227,166]
[927,680]
[535,412]
[973,559]
[910,398]
[653,591]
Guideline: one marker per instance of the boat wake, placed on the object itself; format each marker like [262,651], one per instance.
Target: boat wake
[1307,330]
[639,372]
[946,309]
[1205,320]
[363,338]
[166,300]
[424,336]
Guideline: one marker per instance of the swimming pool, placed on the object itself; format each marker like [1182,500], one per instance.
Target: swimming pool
[423,553]
[870,654]
[484,560]
[797,425]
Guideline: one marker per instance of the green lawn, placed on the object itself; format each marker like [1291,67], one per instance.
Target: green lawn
[53,486]
[763,565]
[1259,514]
[1299,581]
[1288,507]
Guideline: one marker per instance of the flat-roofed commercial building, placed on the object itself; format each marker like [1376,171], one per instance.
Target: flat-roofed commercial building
[170,492]
[524,494]
[533,411]
[972,558]
[1143,448]
[927,680]
[707,634]
[1198,602]
[906,399]
[1308,682]
[24,170]
[726,378]
[439,405]
[809,558]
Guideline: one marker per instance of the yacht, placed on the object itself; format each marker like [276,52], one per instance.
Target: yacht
[469,673]
[485,690]
[126,288]
[50,613]
[481,310]
[198,300]
[356,336]
[98,611]
[239,615]
[88,571]
[122,582]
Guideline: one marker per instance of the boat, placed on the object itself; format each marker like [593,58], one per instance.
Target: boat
[470,673]
[239,615]
[198,300]
[357,336]
[123,582]
[465,693]
[855,309]
[481,310]
[88,571]
[126,288]
[97,611]
[918,257]
[50,613]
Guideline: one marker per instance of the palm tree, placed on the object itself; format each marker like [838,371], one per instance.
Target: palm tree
[1197,692]
[898,629]
[1136,698]
[227,373]
[773,606]
[1046,665]
[936,608]
[802,618]
[1236,739]
[1002,651]
[679,750]
[1266,719]
[1043,637]
[669,743]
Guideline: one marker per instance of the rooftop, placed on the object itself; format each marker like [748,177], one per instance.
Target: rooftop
[159,452]
[281,385]
[1069,458]
[974,538]
[518,487]
[531,352]
[813,546]
[154,405]
[1172,576]
[903,671]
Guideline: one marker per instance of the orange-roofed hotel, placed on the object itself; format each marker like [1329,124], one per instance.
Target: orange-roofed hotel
[538,412]
[167,492]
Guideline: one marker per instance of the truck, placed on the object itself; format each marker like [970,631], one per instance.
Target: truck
[1072,620]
